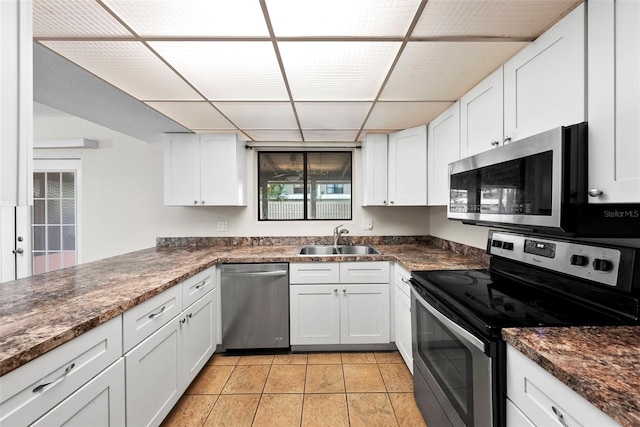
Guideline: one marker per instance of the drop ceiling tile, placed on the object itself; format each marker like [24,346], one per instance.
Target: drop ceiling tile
[130,66]
[193,115]
[498,18]
[270,135]
[73,18]
[444,71]
[259,115]
[349,71]
[319,135]
[192,17]
[332,115]
[228,71]
[403,115]
[379,18]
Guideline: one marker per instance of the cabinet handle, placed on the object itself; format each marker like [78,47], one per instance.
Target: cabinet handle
[195,202]
[506,140]
[344,291]
[595,192]
[201,284]
[495,143]
[18,251]
[202,202]
[152,315]
[60,378]
[560,416]
[391,202]
[335,290]
[384,202]
[190,315]
[405,280]
[184,319]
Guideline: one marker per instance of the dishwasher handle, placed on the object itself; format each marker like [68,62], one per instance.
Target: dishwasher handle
[276,273]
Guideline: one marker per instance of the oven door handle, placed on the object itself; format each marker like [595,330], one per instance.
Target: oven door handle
[468,336]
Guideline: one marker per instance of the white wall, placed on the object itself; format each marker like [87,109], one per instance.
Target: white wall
[122,198]
[456,231]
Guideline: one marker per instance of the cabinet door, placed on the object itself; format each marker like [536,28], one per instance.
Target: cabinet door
[100,402]
[403,327]
[408,167]
[182,170]
[223,170]
[444,148]
[515,417]
[482,116]
[544,84]
[153,376]
[374,170]
[199,335]
[614,100]
[364,314]
[315,314]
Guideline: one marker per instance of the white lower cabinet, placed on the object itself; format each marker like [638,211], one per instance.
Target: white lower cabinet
[352,310]
[403,315]
[160,368]
[540,399]
[99,403]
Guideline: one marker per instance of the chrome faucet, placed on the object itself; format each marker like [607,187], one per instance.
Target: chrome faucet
[337,233]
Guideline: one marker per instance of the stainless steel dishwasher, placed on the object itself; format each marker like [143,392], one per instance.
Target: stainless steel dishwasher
[255,306]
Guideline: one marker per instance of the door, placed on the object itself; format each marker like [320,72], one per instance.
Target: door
[315,314]
[374,170]
[15,242]
[444,148]
[364,314]
[408,167]
[403,327]
[199,335]
[182,170]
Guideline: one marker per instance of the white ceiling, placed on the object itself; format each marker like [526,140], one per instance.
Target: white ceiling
[293,70]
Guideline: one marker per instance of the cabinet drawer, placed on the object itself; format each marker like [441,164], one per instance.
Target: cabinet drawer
[196,286]
[364,272]
[401,280]
[146,318]
[544,399]
[33,389]
[314,272]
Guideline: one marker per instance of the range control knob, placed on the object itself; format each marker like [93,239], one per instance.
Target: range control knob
[579,260]
[602,265]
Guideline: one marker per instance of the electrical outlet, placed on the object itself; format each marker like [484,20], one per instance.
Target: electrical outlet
[367,224]
[223,226]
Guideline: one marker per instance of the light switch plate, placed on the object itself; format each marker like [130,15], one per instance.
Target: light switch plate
[223,226]
[367,224]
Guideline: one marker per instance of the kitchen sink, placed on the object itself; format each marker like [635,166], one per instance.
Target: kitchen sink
[319,250]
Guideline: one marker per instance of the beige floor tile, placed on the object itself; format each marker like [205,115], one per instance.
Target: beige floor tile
[211,380]
[397,377]
[237,410]
[325,410]
[358,358]
[324,359]
[190,411]
[363,378]
[279,410]
[256,360]
[222,359]
[389,357]
[247,379]
[324,379]
[290,359]
[370,410]
[286,379]
[407,412]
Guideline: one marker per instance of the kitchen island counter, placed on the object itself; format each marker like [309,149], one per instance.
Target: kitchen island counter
[598,363]
[40,313]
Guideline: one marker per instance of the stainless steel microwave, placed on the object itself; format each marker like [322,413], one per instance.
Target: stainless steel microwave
[537,183]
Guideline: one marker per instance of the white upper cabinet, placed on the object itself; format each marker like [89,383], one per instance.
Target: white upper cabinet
[204,170]
[374,170]
[544,84]
[407,179]
[443,148]
[614,100]
[482,117]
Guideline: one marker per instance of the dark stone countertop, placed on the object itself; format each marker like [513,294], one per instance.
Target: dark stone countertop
[39,313]
[598,363]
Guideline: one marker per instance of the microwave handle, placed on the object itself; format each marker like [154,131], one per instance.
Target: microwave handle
[468,336]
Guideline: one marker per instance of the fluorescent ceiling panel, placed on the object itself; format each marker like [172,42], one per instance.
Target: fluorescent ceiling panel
[499,18]
[191,17]
[72,18]
[444,71]
[270,135]
[228,71]
[376,18]
[332,115]
[330,135]
[403,115]
[130,66]
[193,115]
[259,115]
[349,71]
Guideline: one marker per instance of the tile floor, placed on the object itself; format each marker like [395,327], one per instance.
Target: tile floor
[315,389]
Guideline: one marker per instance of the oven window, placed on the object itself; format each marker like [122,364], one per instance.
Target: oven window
[448,360]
